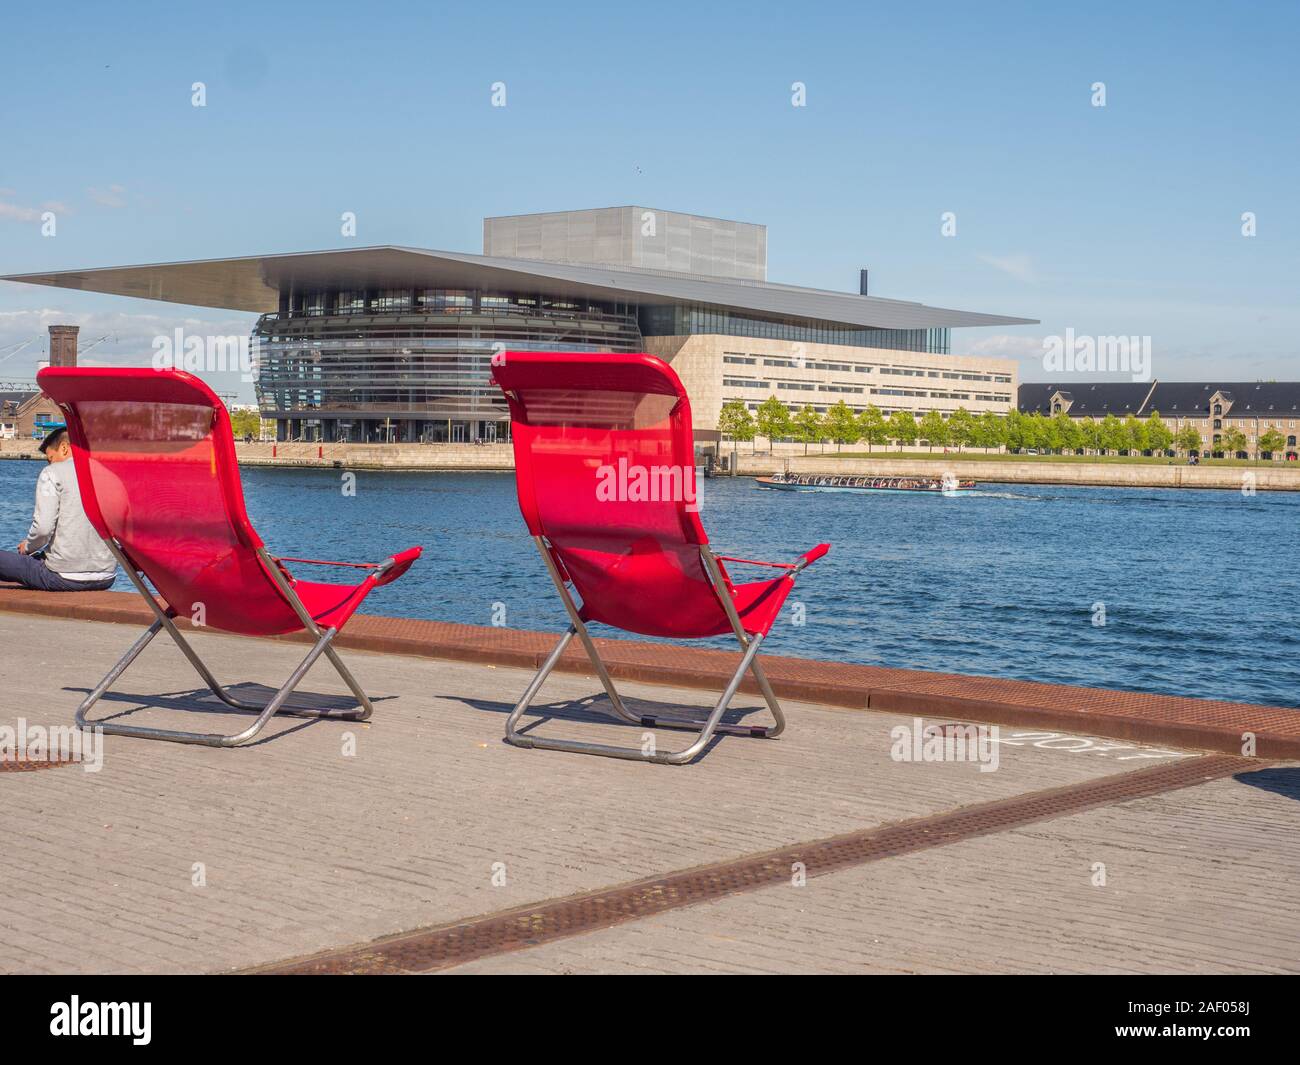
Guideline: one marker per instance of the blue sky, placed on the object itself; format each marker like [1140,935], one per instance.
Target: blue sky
[1117,220]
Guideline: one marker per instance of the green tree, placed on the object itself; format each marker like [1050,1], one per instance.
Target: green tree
[1159,437]
[933,429]
[1135,435]
[1042,433]
[1271,440]
[246,423]
[807,426]
[902,427]
[872,427]
[1233,441]
[1189,439]
[1067,431]
[841,425]
[1111,435]
[962,428]
[992,431]
[735,421]
[773,419]
[1017,432]
[1090,434]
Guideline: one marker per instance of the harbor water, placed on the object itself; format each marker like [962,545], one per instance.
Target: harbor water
[1157,590]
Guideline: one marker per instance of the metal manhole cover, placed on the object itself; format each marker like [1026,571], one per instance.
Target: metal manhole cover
[30,765]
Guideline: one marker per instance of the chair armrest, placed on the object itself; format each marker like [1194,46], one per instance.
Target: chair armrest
[395,565]
[809,557]
[324,562]
[805,560]
[383,572]
[754,562]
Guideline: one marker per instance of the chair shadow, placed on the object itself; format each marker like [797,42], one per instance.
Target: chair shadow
[1281,780]
[587,710]
[204,701]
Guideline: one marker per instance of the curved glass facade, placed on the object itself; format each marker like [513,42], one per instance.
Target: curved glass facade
[687,319]
[412,365]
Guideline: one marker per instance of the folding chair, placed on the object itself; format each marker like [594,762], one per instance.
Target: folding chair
[605,468]
[156,468]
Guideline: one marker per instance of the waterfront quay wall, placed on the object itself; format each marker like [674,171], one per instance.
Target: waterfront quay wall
[347,456]
[486,457]
[1112,474]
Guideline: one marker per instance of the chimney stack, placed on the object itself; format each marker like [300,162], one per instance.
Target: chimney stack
[63,345]
[862,282]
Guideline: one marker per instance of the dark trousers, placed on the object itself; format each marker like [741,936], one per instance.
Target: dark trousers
[32,572]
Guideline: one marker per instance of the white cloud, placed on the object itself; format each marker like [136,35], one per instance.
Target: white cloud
[130,343]
[114,196]
[1021,267]
[19,214]
[1005,346]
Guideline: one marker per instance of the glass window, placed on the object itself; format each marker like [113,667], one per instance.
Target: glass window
[353,302]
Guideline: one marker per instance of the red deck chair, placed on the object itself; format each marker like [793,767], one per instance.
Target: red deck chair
[605,467]
[156,469]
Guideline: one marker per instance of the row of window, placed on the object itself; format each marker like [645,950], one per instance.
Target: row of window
[808,386]
[1248,424]
[858,408]
[1243,423]
[694,319]
[736,358]
[433,301]
[1290,440]
[948,375]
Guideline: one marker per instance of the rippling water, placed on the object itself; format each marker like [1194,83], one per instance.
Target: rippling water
[1197,586]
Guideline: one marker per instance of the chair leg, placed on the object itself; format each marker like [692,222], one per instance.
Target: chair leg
[164,620]
[707,728]
[770,732]
[209,739]
[361,714]
[769,697]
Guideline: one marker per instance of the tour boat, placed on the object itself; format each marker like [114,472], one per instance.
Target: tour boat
[804,482]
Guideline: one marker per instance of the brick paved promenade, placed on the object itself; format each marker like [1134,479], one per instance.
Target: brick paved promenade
[190,859]
[1204,724]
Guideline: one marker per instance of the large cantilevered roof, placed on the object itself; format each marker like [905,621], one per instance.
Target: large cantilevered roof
[254,284]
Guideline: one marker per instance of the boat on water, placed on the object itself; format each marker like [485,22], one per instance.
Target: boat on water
[804,482]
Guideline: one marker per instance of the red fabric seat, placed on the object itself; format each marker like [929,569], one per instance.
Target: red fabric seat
[157,473]
[605,467]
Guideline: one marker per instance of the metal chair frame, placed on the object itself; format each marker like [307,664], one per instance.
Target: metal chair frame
[706,729]
[165,620]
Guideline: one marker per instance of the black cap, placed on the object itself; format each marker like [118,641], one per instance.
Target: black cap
[51,436]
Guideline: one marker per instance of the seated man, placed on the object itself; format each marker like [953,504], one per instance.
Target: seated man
[62,552]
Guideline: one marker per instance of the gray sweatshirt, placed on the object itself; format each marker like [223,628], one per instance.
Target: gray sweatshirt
[60,527]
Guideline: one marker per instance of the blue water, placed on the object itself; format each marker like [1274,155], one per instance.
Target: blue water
[1198,587]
